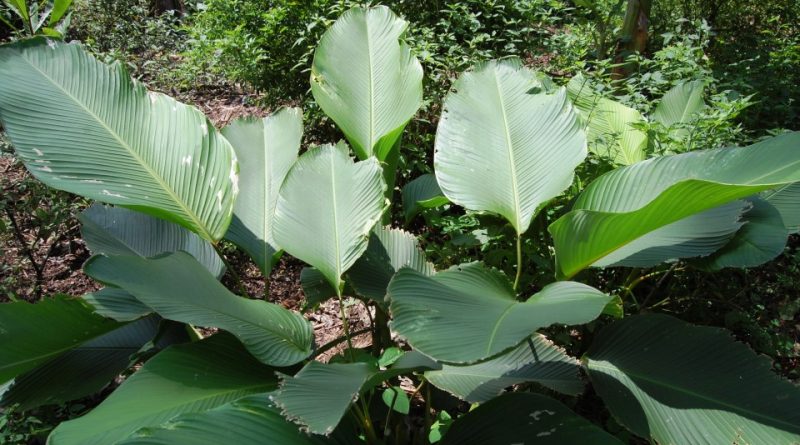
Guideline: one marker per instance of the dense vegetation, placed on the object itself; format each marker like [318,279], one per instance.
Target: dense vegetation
[544,228]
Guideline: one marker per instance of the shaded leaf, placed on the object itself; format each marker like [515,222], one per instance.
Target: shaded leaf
[32,334]
[525,418]
[319,395]
[266,149]
[195,377]
[422,193]
[677,383]
[81,371]
[786,199]
[119,231]
[249,420]
[388,251]
[761,239]
[535,361]
[179,288]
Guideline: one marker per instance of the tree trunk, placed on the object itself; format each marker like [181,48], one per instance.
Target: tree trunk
[634,36]
[162,6]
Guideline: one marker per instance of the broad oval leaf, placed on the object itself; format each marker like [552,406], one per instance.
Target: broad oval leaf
[502,149]
[631,202]
[388,251]
[676,383]
[86,128]
[612,128]
[266,149]
[421,193]
[179,288]
[470,312]
[679,105]
[521,418]
[537,360]
[81,371]
[32,334]
[319,395]
[326,208]
[249,420]
[120,231]
[182,379]
[366,80]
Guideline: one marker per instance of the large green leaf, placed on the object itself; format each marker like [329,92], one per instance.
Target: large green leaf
[249,420]
[631,202]
[119,231]
[470,312]
[679,105]
[388,251]
[502,148]
[694,236]
[366,80]
[319,395]
[86,128]
[326,208]
[535,361]
[524,418]
[612,128]
[83,370]
[786,199]
[761,239]
[421,193]
[188,378]
[680,384]
[32,334]
[266,149]
[179,288]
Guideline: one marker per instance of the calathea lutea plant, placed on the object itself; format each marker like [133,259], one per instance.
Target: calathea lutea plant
[508,143]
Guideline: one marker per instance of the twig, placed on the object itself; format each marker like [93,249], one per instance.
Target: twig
[37,289]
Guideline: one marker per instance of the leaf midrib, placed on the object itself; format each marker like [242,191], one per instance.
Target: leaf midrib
[510,152]
[599,365]
[335,223]
[187,212]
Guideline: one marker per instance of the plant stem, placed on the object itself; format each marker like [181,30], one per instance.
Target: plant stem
[333,343]
[346,326]
[363,416]
[234,274]
[519,261]
[37,269]
[658,284]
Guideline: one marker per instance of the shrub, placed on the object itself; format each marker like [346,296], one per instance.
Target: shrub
[508,143]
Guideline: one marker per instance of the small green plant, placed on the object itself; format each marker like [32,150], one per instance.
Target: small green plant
[508,143]
[50,17]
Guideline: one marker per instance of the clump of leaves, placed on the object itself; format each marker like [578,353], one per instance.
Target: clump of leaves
[508,143]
